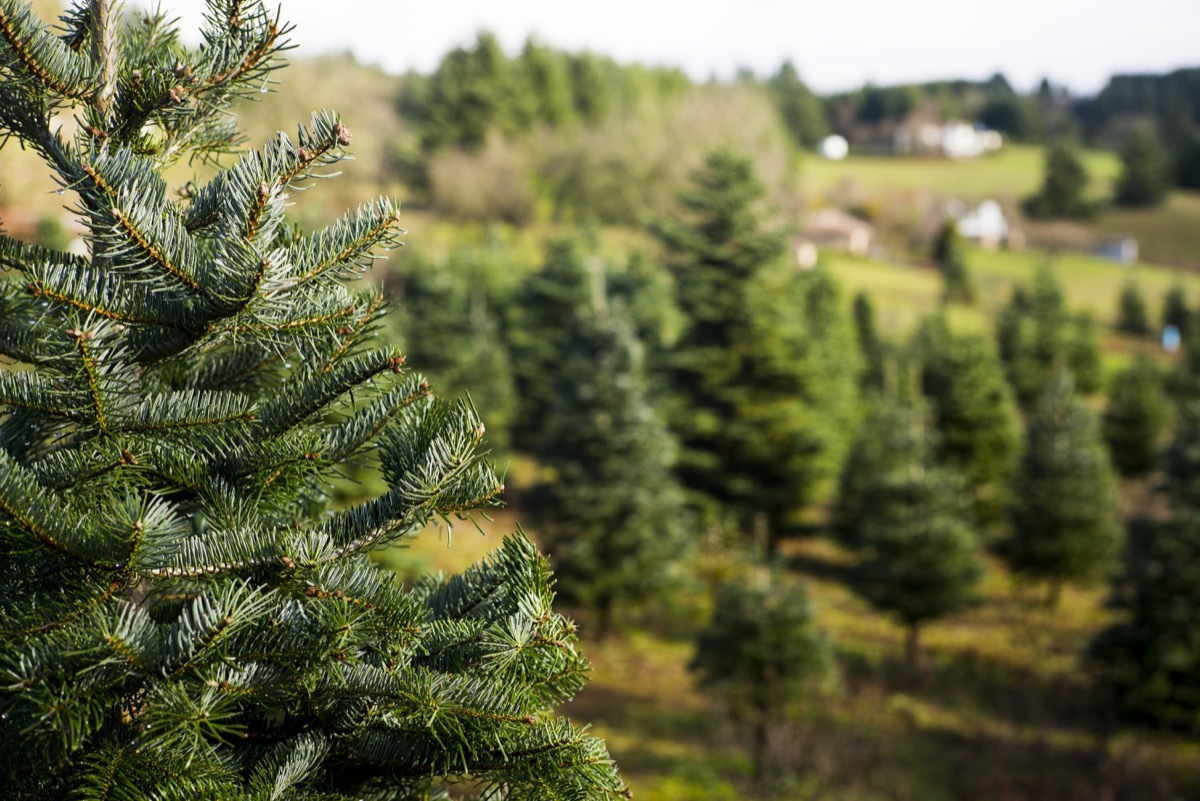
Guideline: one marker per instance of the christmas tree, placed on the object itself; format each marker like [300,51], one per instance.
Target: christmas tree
[181,614]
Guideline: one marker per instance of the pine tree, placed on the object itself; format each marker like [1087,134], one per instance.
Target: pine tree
[801,110]
[1145,175]
[1083,353]
[1132,317]
[950,257]
[450,328]
[762,654]
[1066,520]
[536,337]
[1037,336]
[612,517]
[974,414]
[1064,183]
[763,373]
[870,347]
[1181,460]
[1135,417]
[181,615]
[1151,659]
[1176,312]
[919,558]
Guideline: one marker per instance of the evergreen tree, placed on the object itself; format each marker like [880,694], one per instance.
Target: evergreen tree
[870,347]
[1132,317]
[612,517]
[1036,337]
[1083,354]
[1151,659]
[950,257]
[1064,184]
[1065,520]
[975,416]
[762,654]
[181,615]
[763,373]
[1134,419]
[1181,460]
[1145,177]
[536,336]
[449,328]
[919,559]
[1176,312]
[801,110]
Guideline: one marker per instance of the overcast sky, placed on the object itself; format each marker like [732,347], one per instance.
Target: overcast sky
[836,44]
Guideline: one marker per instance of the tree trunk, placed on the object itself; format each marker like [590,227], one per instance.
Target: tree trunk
[1053,593]
[604,616]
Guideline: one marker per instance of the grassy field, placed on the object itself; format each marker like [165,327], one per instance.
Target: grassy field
[1001,710]
[1011,174]
[903,293]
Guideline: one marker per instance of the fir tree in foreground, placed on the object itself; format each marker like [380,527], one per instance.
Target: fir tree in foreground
[1065,520]
[181,616]
[612,516]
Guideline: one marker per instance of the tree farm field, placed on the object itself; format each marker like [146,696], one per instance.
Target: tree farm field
[1000,709]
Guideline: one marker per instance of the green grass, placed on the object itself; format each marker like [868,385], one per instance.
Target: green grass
[1001,711]
[1169,233]
[1011,174]
[904,293]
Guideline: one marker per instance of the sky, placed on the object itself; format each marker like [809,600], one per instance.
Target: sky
[836,44]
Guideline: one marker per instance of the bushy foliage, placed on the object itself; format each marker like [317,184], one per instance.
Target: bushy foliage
[762,654]
[1145,178]
[919,559]
[951,259]
[181,613]
[1064,187]
[610,515]
[1065,519]
[1132,316]
[762,374]
[1037,336]
[802,111]
[974,414]
[1135,417]
[1176,312]
[1150,660]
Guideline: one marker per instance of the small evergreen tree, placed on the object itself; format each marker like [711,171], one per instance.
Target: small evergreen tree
[1151,659]
[1181,460]
[612,516]
[1064,184]
[1134,419]
[919,559]
[870,346]
[1083,354]
[762,654]
[950,257]
[974,414]
[1145,175]
[1065,520]
[1132,317]
[536,336]
[801,110]
[181,615]
[763,375]
[1176,312]
[1037,336]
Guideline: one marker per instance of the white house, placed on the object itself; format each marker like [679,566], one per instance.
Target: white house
[954,139]
[985,224]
